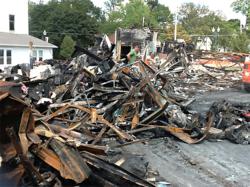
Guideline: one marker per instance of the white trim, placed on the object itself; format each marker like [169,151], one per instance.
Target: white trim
[11,57]
[18,45]
[5,56]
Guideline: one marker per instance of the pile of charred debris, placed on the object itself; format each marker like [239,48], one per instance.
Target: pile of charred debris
[56,130]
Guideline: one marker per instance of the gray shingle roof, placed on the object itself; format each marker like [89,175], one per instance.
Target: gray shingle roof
[22,40]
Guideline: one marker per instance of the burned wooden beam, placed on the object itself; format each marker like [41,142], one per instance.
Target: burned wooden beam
[112,172]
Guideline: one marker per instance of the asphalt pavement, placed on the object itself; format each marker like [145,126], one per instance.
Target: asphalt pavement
[219,163]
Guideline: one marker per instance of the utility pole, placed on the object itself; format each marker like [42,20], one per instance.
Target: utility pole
[216,37]
[175,24]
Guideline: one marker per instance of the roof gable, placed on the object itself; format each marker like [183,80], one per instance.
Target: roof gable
[22,40]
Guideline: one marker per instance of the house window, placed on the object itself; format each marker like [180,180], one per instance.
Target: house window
[40,55]
[9,56]
[1,56]
[34,53]
[12,22]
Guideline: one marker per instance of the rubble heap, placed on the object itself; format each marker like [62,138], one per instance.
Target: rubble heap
[58,133]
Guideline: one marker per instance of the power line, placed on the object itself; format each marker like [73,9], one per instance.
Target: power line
[193,35]
[232,35]
[62,33]
[80,34]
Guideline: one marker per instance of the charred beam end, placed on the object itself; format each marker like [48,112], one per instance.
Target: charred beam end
[79,50]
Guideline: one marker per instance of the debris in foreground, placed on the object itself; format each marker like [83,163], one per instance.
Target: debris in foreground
[58,132]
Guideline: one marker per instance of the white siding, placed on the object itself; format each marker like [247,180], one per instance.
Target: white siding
[205,44]
[19,8]
[47,53]
[21,55]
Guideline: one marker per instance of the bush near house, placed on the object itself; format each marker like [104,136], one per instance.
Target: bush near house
[67,47]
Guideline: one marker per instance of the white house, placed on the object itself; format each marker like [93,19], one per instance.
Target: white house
[204,44]
[16,45]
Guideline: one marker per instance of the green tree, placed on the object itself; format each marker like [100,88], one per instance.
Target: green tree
[78,18]
[162,15]
[134,13]
[198,19]
[240,43]
[181,33]
[110,5]
[242,6]
[67,47]
[115,20]
[152,4]
[228,29]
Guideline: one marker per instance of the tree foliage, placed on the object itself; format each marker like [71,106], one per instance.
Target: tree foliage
[136,12]
[162,15]
[181,33]
[81,20]
[242,6]
[240,43]
[152,4]
[78,18]
[111,5]
[198,21]
[67,47]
